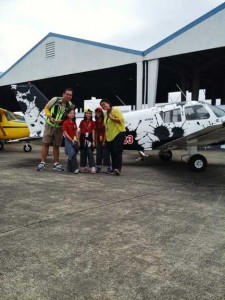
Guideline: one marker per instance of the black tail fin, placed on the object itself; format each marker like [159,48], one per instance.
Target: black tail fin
[32,103]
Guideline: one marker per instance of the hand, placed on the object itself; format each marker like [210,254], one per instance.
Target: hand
[52,119]
[58,121]
[112,118]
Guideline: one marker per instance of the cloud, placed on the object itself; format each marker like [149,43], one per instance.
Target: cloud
[128,23]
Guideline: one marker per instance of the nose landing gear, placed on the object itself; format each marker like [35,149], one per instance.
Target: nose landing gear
[27,148]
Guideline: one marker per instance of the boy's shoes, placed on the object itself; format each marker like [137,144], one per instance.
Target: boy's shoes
[93,170]
[139,158]
[109,170]
[98,169]
[77,171]
[41,166]
[117,172]
[83,169]
[58,167]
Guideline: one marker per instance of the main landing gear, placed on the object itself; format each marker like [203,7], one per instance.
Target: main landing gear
[197,162]
[165,155]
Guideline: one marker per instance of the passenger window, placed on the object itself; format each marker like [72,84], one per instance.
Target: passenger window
[171,116]
[176,115]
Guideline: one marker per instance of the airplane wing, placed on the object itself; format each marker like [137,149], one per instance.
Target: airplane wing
[2,110]
[210,135]
[27,139]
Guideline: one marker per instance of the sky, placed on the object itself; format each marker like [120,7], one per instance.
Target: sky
[134,24]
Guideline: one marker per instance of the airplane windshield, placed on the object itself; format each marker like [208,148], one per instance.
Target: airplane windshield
[10,116]
[217,111]
[196,112]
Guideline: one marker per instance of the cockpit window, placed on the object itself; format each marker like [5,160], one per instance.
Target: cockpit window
[217,111]
[10,116]
[171,116]
[196,112]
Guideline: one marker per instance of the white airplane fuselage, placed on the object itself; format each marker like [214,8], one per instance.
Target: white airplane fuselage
[151,128]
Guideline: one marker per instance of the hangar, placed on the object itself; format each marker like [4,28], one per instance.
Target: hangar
[192,58]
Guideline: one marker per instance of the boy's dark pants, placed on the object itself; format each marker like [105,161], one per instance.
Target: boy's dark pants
[72,164]
[86,153]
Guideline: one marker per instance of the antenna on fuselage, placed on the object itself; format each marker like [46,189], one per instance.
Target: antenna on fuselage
[181,91]
[120,100]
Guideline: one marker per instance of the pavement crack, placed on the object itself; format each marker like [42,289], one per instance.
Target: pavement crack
[72,213]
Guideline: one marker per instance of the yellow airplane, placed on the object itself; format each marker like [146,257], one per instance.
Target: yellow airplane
[13,128]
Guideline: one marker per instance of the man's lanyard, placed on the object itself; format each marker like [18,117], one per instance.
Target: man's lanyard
[61,109]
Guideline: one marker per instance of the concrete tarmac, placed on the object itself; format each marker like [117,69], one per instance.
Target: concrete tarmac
[156,232]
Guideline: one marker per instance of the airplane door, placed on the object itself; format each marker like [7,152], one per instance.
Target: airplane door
[173,121]
[197,117]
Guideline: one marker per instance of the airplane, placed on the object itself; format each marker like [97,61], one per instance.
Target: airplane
[13,128]
[181,125]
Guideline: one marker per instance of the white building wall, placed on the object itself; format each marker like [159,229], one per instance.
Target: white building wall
[70,57]
[206,35]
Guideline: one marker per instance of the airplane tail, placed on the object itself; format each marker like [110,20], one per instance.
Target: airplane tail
[32,103]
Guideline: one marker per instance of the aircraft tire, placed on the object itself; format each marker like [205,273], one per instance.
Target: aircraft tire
[165,155]
[27,148]
[198,163]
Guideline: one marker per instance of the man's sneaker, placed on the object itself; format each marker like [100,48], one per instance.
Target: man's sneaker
[117,172]
[98,169]
[83,169]
[93,170]
[41,166]
[58,167]
[77,171]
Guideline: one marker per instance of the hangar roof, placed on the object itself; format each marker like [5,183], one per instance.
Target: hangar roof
[73,39]
[185,28]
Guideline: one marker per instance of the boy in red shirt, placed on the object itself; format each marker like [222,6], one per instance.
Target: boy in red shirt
[102,153]
[87,142]
[69,129]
